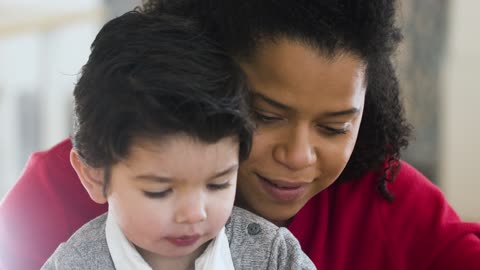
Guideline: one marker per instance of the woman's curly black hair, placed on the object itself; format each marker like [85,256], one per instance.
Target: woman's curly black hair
[365,28]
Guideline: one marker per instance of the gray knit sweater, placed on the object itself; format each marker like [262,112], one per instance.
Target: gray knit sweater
[255,244]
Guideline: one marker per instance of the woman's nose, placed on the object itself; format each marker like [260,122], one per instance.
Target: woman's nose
[296,150]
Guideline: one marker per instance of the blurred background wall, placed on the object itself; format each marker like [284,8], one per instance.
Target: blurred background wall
[43,45]
[460,123]
[437,65]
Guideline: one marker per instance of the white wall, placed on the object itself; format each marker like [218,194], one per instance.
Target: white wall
[43,45]
[460,126]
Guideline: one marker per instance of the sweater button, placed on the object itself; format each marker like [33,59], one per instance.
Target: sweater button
[253,228]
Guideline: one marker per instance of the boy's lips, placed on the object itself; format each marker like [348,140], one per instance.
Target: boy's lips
[184,240]
[282,190]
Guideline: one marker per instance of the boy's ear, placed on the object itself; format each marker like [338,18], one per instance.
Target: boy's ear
[91,178]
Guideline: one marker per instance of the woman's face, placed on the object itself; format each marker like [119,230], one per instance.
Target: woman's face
[308,109]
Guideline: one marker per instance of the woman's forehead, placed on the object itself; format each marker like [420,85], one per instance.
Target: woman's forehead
[292,73]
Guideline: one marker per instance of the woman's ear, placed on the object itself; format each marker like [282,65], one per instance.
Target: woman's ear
[91,178]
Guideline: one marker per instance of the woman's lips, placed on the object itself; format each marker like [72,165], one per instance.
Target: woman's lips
[283,190]
[184,241]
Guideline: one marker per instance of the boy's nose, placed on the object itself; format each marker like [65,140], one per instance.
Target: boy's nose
[191,212]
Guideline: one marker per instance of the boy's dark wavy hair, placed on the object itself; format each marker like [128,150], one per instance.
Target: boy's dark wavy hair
[154,77]
[365,28]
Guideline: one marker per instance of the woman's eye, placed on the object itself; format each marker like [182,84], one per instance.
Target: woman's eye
[157,195]
[265,118]
[335,131]
[219,186]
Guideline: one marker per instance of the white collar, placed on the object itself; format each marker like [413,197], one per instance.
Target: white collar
[126,257]
[217,254]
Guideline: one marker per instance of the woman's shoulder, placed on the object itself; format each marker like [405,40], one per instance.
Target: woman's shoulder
[49,195]
[410,183]
[420,220]
[413,193]
[60,151]
[407,179]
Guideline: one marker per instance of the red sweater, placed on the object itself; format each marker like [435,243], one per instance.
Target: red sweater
[348,226]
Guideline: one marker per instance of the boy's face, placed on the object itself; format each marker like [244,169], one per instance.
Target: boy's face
[171,197]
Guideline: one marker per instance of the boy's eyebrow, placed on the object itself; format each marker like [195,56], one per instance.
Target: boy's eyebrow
[162,179]
[227,171]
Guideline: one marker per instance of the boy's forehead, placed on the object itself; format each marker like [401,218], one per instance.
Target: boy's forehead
[179,158]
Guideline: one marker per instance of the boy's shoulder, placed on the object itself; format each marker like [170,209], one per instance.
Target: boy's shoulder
[242,221]
[86,249]
[256,243]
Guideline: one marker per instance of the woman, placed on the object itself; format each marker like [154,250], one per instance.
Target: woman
[325,157]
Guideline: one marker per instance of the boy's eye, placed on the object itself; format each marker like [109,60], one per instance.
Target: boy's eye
[214,187]
[157,195]
[262,117]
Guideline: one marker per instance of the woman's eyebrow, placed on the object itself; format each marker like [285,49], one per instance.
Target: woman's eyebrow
[343,112]
[279,105]
[272,102]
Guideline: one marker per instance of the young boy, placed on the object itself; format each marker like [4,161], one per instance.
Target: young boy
[161,124]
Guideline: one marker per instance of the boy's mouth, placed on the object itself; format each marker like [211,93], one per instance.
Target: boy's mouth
[184,240]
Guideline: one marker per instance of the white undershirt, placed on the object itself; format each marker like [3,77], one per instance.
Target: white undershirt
[126,257]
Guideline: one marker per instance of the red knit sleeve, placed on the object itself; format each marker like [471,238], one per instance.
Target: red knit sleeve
[423,229]
[47,204]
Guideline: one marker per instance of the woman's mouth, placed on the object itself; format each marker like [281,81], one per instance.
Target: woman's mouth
[282,190]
